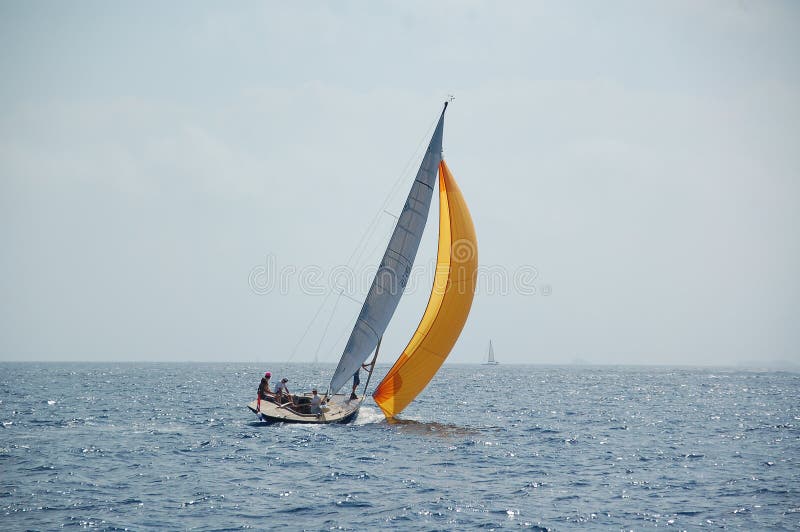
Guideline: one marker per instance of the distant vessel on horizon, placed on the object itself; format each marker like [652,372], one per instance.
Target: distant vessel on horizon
[490,361]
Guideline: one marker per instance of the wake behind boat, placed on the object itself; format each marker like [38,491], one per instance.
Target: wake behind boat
[441,324]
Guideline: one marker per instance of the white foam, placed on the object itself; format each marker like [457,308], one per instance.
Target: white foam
[367,415]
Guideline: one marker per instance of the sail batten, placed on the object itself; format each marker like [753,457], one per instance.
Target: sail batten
[395,266]
[448,306]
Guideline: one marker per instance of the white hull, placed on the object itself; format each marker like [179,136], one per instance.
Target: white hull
[340,410]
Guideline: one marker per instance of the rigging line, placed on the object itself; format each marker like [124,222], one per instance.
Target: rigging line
[392,192]
[361,247]
[327,325]
[349,327]
[381,244]
[358,251]
[387,199]
[368,233]
[345,330]
[308,327]
[372,364]
[351,298]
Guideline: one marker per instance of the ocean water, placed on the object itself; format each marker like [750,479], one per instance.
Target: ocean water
[138,446]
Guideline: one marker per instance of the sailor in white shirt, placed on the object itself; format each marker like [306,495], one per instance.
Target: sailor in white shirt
[316,401]
[282,391]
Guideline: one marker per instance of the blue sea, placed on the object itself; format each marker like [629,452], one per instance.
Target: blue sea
[142,446]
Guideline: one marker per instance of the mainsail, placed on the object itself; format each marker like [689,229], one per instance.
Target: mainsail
[395,267]
[491,353]
[448,306]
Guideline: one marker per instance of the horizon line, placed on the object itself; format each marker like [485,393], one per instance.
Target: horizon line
[776,364]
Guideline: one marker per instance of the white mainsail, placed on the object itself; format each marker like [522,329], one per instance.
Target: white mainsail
[395,267]
[491,353]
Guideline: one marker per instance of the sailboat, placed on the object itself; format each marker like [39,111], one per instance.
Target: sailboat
[490,361]
[441,323]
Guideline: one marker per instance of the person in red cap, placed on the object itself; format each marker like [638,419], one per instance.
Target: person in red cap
[263,389]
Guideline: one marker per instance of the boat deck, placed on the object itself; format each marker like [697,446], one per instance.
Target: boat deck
[340,410]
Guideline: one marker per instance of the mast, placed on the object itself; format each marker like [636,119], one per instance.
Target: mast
[372,364]
[395,266]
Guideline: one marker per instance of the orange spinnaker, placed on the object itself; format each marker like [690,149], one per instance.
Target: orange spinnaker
[448,306]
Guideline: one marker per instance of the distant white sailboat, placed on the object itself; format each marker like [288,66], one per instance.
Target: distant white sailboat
[490,360]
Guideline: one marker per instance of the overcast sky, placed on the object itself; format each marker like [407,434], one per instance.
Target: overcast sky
[632,168]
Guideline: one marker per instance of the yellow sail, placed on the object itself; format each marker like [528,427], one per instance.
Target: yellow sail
[448,306]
